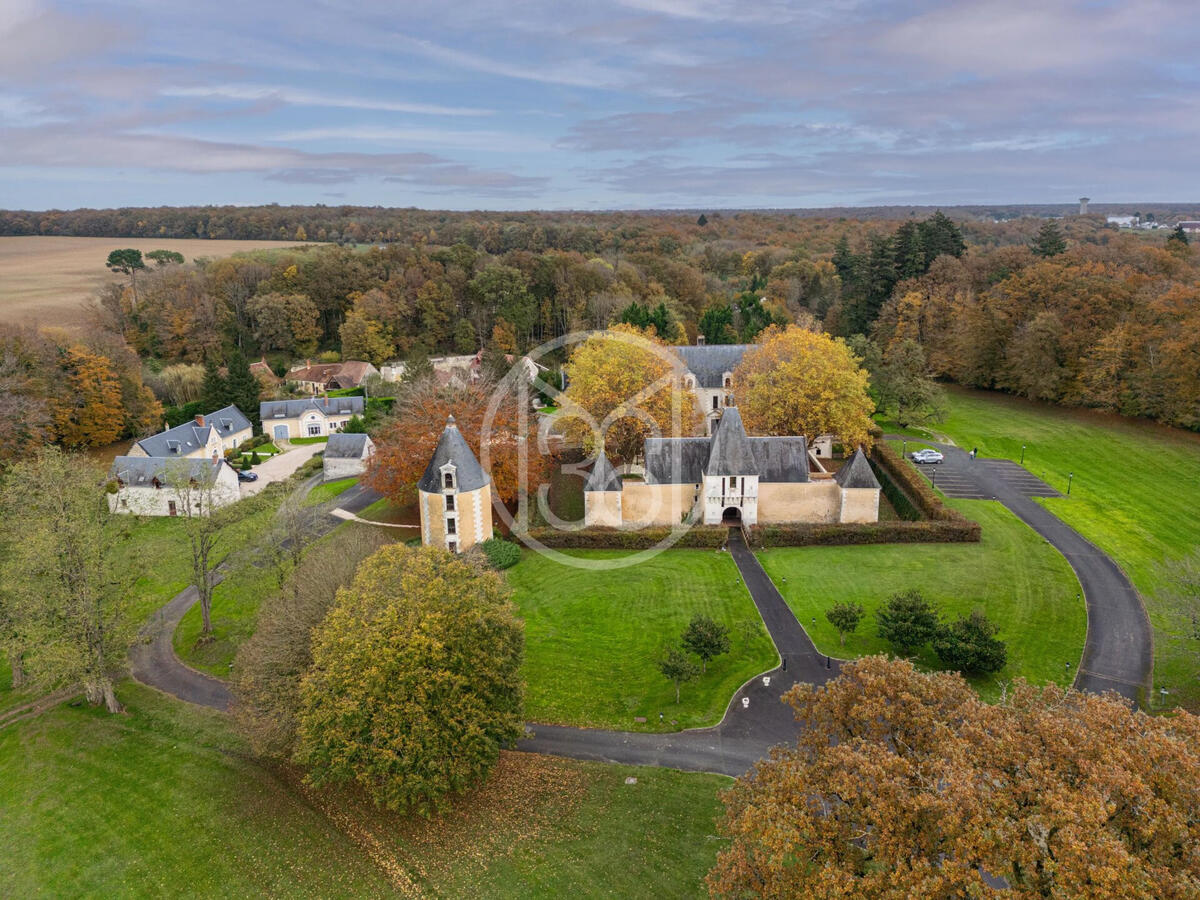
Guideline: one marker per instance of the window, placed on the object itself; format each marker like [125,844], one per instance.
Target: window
[716,402]
[449,503]
[448,480]
[452,526]
[314,430]
[171,508]
[728,382]
[452,546]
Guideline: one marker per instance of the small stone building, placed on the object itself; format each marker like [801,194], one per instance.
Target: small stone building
[347,455]
[732,478]
[454,495]
[145,485]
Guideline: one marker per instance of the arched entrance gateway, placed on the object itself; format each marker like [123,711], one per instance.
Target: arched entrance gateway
[731,516]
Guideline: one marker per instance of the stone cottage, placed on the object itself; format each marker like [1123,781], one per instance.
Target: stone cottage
[347,455]
[147,485]
[208,437]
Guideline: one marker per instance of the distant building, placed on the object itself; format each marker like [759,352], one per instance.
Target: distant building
[1122,221]
[265,374]
[347,455]
[329,376]
[1083,202]
[1190,227]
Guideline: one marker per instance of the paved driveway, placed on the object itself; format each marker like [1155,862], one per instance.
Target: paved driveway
[280,467]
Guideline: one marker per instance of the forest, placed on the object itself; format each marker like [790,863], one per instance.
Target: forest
[1066,310]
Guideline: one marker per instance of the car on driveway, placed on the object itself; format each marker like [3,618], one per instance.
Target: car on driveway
[247,476]
[921,457]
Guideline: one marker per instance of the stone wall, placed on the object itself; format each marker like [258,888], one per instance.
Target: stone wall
[860,505]
[656,504]
[473,518]
[813,501]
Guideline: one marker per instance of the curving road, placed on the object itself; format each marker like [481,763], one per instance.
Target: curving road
[1118,654]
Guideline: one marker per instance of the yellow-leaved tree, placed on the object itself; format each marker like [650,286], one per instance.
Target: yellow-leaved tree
[797,381]
[623,386]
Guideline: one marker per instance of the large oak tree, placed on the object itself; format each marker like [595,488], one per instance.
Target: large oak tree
[904,784]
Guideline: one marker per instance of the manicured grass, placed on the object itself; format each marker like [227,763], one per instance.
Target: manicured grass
[323,493]
[386,511]
[234,614]
[164,801]
[309,440]
[593,638]
[1023,585]
[159,802]
[1135,495]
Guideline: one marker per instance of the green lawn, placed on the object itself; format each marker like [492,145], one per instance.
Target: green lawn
[1135,494]
[593,638]
[309,440]
[1023,584]
[328,490]
[163,801]
[385,510]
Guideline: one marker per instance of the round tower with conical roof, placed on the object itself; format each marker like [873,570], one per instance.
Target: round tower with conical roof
[455,495]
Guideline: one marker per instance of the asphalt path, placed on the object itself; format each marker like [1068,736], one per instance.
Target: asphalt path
[1118,654]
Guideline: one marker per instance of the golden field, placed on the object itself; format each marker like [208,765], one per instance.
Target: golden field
[46,280]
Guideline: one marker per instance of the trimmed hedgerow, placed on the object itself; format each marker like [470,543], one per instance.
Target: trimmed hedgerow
[910,482]
[501,554]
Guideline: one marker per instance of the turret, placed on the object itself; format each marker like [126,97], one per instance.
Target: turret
[454,495]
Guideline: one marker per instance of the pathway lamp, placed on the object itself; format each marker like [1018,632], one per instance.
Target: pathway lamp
[1022,454]
[1070,478]
[904,448]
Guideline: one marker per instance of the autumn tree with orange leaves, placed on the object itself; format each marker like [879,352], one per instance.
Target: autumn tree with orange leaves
[406,444]
[905,784]
[797,381]
[625,383]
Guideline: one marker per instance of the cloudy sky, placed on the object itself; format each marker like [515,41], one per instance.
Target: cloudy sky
[600,104]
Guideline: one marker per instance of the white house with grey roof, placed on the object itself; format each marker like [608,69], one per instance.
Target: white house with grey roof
[731,477]
[710,375]
[152,485]
[347,455]
[311,417]
[208,437]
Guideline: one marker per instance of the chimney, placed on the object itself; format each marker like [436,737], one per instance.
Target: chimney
[200,420]
[699,340]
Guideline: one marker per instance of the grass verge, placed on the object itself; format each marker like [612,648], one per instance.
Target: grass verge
[328,490]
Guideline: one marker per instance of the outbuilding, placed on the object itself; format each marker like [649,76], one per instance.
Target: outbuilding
[347,455]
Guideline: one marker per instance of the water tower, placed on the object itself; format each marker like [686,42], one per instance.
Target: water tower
[1083,202]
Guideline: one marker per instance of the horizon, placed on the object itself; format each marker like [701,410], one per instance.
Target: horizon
[627,105]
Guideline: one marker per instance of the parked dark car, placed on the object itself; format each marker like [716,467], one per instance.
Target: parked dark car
[247,476]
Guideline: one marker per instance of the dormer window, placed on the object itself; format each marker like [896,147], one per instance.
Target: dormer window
[448,481]
[728,382]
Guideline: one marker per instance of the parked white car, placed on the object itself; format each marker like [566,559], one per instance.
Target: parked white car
[920,457]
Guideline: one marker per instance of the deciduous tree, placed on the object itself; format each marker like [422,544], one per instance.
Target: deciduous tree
[678,668]
[796,381]
[969,644]
[88,411]
[625,384]
[128,262]
[415,684]
[908,785]
[705,637]
[907,621]
[66,586]
[844,616]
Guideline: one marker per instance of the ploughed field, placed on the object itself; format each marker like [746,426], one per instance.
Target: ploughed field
[47,280]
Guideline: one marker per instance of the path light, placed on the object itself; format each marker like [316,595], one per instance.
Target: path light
[1070,478]
[766,681]
[1162,694]
[904,449]
[745,703]
[1022,454]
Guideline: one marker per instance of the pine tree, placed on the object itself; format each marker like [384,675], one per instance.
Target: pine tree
[1178,236]
[941,236]
[1049,240]
[215,391]
[242,388]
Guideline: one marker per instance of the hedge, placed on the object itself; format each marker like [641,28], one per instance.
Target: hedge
[900,501]
[711,537]
[922,496]
[501,554]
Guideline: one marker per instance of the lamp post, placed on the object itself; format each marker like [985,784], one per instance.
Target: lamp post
[1022,454]
[904,448]
[1070,478]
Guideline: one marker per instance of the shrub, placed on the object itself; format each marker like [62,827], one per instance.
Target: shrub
[245,464]
[907,621]
[844,616]
[970,645]
[501,554]
[255,459]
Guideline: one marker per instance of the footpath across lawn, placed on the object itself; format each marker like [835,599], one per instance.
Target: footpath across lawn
[593,638]
[1022,583]
[1135,494]
[164,801]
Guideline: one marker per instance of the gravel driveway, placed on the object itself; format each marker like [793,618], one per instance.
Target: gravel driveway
[280,467]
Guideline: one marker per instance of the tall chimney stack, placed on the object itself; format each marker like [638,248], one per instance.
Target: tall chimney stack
[1083,202]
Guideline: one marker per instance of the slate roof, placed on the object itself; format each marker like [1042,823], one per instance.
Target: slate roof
[730,452]
[347,446]
[141,471]
[857,473]
[710,362]
[189,437]
[603,476]
[453,448]
[781,459]
[291,409]
[675,460]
